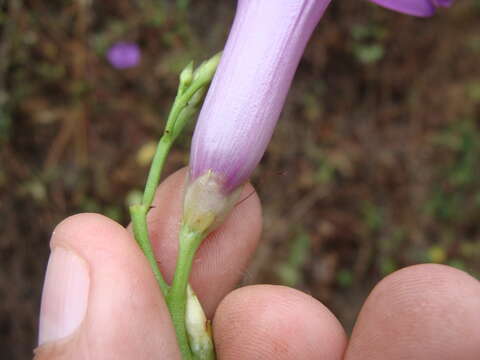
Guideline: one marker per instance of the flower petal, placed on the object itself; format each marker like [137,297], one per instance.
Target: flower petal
[422,8]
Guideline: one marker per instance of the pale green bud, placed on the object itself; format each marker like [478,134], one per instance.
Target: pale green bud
[191,91]
[206,70]
[189,111]
[186,77]
[199,330]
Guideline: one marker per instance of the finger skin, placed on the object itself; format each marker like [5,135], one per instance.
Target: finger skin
[427,312]
[275,322]
[126,317]
[222,258]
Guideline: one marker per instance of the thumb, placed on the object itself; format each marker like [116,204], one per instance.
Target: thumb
[100,299]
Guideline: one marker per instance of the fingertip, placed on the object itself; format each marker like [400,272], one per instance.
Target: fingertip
[276,322]
[78,232]
[424,311]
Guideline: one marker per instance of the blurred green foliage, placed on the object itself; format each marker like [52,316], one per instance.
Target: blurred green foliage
[372,216]
[326,171]
[5,124]
[290,270]
[459,174]
[345,278]
[367,44]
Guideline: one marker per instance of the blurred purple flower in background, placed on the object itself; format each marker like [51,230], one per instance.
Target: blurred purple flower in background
[414,7]
[124,55]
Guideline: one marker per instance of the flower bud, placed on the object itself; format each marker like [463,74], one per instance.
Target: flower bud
[206,70]
[198,328]
[186,77]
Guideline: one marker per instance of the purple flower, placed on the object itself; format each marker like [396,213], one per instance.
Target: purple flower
[248,91]
[246,97]
[414,7]
[123,55]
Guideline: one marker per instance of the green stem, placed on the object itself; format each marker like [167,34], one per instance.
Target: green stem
[192,88]
[165,144]
[140,230]
[139,212]
[158,162]
[177,296]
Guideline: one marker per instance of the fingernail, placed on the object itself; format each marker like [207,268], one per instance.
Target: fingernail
[64,297]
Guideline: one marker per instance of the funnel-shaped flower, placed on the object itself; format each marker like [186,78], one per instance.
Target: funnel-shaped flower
[247,94]
[414,7]
[249,89]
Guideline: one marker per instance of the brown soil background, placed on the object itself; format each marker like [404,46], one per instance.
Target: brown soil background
[374,165]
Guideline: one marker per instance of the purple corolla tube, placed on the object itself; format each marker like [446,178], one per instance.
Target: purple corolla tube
[244,101]
[422,8]
[124,55]
[247,94]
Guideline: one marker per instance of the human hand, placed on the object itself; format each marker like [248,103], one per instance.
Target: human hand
[101,301]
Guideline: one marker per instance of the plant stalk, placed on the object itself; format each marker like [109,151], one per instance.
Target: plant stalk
[189,242]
